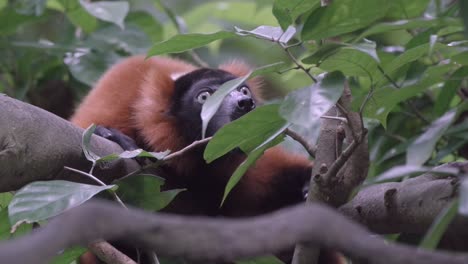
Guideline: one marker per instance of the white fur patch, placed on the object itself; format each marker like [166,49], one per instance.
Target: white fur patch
[176,75]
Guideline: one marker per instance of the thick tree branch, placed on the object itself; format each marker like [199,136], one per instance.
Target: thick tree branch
[204,239]
[36,145]
[409,206]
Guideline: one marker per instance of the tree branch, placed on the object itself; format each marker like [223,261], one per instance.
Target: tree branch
[204,239]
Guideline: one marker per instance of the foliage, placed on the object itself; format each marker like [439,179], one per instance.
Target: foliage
[406,63]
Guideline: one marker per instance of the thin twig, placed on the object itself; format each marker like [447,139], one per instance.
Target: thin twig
[112,192]
[310,149]
[291,56]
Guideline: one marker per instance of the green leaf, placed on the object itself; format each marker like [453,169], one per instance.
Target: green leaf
[29,7]
[130,40]
[407,24]
[261,260]
[355,60]
[449,90]
[439,226]
[148,24]
[287,11]
[252,157]
[274,67]
[407,9]
[181,43]
[247,132]
[137,153]
[386,98]
[85,144]
[410,56]
[89,67]
[69,255]
[10,21]
[464,14]
[342,16]
[144,191]
[4,225]
[421,149]
[44,199]
[275,34]
[212,104]
[5,199]
[113,12]
[306,106]
[79,16]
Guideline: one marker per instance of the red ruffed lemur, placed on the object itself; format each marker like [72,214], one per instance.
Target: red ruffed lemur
[157,103]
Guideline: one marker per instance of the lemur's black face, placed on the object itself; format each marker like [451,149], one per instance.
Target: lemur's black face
[191,92]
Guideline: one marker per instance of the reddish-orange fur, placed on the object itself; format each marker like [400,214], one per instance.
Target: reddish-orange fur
[134,95]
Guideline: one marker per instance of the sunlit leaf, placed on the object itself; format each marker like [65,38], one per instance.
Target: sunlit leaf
[275,34]
[44,199]
[421,149]
[306,106]
[110,11]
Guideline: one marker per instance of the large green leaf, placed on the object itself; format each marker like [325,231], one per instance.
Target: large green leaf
[144,191]
[113,12]
[421,149]
[181,43]
[287,11]
[436,231]
[306,106]
[343,16]
[41,200]
[247,132]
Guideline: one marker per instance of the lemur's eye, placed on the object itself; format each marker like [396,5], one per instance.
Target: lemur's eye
[203,96]
[245,91]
